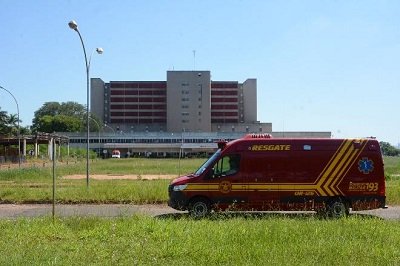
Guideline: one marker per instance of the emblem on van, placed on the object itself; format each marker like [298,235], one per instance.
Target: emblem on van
[225,187]
[365,165]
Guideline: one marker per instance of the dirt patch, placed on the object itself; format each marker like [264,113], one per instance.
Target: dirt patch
[112,177]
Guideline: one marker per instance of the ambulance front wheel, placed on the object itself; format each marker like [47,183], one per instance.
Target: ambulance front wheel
[199,207]
[338,209]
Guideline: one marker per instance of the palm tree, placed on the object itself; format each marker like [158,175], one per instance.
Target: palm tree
[12,123]
[3,122]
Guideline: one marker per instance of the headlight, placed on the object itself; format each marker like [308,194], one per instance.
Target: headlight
[180,187]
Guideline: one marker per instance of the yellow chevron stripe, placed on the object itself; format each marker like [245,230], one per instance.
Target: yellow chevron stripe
[331,160]
[334,161]
[330,167]
[340,175]
[333,177]
[354,154]
[352,163]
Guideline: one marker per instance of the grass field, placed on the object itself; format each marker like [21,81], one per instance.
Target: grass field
[222,239]
[34,184]
[271,240]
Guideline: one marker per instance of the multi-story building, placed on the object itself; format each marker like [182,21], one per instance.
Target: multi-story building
[188,101]
[187,113]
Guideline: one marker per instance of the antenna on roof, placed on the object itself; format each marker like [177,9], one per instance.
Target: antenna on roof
[194,59]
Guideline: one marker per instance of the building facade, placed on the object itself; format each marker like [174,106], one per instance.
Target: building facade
[188,101]
[187,113]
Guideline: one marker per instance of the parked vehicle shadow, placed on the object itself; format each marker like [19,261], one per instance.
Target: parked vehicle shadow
[365,216]
[261,215]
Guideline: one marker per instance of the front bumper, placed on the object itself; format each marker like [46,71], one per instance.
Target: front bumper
[177,199]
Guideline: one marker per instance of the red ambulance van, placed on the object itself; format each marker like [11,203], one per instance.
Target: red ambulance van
[261,173]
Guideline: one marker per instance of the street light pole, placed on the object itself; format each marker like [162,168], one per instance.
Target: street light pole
[18,129]
[73,25]
[105,124]
[98,126]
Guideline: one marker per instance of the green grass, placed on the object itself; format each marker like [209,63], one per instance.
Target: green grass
[223,239]
[132,166]
[269,240]
[29,185]
[392,166]
[34,184]
[75,191]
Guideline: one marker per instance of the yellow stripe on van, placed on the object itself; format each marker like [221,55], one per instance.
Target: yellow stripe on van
[327,183]
[330,167]
[344,161]
[340,164]
[351,163]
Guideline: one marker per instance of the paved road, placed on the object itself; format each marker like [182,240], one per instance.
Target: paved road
[13,211]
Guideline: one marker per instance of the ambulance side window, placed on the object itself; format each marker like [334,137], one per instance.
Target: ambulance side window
[227,165]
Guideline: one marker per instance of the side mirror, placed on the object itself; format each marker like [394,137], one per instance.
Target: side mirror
[210,174]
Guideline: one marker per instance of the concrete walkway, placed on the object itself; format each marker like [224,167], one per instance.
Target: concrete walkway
[12,211]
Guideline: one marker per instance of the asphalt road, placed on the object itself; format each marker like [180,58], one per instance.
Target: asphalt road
[15,211]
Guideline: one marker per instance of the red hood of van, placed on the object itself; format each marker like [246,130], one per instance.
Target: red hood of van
[182,179]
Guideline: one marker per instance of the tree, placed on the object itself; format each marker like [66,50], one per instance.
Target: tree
[62,117]
[64,123]
[12,122]
[25,130]
[8,123]
[388,150]
[3,117]
[3,122]
[58,123]
[73,109]
[44,124]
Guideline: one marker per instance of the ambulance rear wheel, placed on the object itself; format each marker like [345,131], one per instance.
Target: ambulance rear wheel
[199,208]
[338,209]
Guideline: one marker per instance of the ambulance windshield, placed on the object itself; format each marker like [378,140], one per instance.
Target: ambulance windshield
[210,161]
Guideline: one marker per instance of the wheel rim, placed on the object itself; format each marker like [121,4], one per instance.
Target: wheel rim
[338,209]
[200,209]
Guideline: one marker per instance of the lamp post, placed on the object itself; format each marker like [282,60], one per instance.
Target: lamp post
[105,124]
[113,141]
[73,25]
[18,128]
[98,126]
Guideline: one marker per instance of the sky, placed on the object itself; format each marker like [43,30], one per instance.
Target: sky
[320,65]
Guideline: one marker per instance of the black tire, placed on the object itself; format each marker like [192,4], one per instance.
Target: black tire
[338,209]
[199,208]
